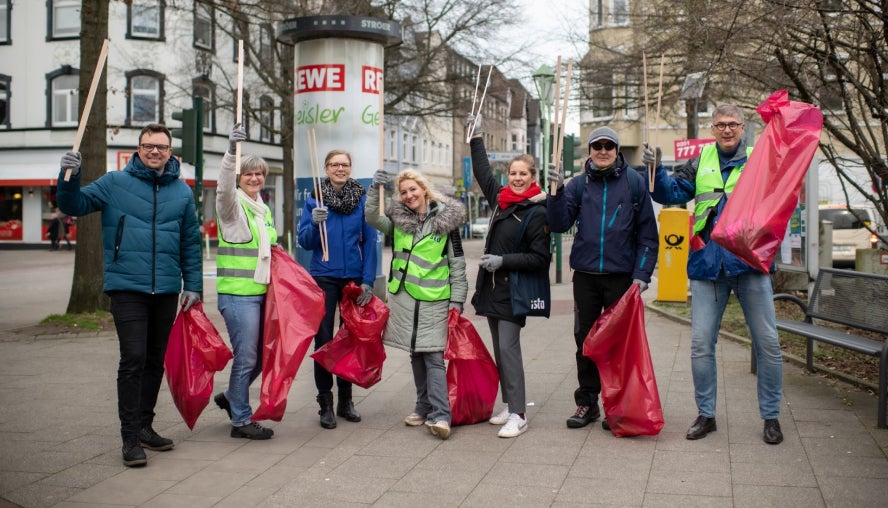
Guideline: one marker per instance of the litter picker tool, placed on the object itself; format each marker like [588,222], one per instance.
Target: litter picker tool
[240,102]
[87,106]
[316,180]
[381,143]
[480,103]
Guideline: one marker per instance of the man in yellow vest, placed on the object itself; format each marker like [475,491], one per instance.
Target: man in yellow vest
[715,272]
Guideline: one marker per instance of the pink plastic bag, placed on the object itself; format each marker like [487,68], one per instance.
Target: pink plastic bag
[294,308]
[755,218]
[617,343]
[472,377]
[195,352]
[356,352]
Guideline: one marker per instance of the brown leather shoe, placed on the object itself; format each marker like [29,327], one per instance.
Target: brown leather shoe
[702,425]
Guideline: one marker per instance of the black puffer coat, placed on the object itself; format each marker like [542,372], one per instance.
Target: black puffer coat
[492,297]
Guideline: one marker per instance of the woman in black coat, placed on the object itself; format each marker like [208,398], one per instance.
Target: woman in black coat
[521,199]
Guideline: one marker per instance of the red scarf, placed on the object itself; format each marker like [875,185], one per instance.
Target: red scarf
[509,197]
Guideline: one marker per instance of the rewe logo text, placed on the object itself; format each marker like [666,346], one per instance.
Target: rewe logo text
[320,78]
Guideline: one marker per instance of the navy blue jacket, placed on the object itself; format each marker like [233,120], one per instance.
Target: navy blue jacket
[150,234]
[612,236]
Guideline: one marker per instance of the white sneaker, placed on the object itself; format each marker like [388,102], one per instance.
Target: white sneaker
[514,427]
[439,429]
[414,420]
[501,417]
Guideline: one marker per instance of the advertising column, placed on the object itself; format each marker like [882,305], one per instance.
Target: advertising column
[339,62]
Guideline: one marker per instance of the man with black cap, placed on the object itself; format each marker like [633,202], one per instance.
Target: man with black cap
[615,246]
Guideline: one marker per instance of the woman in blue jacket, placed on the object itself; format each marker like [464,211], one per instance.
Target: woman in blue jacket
[351,258]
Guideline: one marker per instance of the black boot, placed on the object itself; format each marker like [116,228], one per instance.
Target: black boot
[328,420]
[345,407]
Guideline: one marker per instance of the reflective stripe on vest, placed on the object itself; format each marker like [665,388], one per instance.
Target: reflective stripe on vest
[710,185]
[423,269]
[236,262]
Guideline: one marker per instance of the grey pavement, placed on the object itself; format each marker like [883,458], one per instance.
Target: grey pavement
[60,446]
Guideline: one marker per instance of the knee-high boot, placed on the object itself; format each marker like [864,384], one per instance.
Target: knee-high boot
[328,420]
[345,407]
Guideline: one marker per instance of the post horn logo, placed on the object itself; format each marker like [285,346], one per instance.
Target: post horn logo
[674,241]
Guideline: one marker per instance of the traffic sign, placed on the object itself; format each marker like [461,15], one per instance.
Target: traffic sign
[502,156]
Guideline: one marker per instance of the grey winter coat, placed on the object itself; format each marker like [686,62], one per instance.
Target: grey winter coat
[416,325]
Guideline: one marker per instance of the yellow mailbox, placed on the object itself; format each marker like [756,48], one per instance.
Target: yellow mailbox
[672,260]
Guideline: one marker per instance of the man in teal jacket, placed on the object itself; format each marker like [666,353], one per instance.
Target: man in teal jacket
[151,247]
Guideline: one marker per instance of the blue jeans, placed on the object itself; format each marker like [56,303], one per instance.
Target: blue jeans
[708,302]
[244,319]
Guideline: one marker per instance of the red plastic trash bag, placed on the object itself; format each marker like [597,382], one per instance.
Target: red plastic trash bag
[294,308]
[195,352]
[617,343]
[755,218]
[472,378]
[356,352]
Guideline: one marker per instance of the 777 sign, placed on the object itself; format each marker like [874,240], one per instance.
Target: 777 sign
[690,148]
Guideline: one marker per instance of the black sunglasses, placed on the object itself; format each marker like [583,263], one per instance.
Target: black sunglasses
[607,145]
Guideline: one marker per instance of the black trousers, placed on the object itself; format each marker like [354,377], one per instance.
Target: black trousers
[143,323]
[332,287]
[592,294]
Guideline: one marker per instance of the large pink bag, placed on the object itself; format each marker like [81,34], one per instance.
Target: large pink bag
[617,343]
[755,218]
[472,376]
[195,352]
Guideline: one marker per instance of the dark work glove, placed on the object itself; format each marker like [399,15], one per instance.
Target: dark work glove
[554,176]
[188,299]
[365,296]
[381,178]
[319,214]
[648,156]
[491,262]
[71,160]
[237,134]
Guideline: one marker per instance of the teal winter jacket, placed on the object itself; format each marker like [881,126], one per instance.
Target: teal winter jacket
[150,234]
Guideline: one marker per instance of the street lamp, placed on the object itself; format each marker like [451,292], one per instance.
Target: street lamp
[544,79]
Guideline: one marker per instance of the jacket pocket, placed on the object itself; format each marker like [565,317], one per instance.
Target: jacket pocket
[118,237]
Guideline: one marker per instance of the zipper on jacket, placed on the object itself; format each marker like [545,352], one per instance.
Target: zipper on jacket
[644,256]
[154,240]
[118,238]
[603,228]
[610,224]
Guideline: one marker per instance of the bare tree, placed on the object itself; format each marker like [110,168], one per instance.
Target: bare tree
[86,288]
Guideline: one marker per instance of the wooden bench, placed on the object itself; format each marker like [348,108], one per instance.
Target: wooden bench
[853,299]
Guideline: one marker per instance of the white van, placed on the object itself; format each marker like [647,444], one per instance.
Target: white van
[849,231]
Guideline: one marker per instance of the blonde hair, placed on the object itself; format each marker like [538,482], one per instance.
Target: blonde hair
[416,176]
[527,159]
[334,153]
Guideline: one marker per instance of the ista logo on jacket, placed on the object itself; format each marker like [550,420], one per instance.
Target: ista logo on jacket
[537,304]
[436,238]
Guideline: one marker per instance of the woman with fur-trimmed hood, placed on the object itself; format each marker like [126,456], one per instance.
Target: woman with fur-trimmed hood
[427,278]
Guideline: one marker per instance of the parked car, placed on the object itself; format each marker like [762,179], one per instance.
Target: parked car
[849,232]
[479,227]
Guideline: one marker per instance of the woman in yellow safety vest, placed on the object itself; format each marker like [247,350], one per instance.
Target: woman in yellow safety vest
[428,277]
[243,268]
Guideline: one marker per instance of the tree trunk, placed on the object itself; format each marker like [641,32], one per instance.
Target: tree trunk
[289,230]
[86,289]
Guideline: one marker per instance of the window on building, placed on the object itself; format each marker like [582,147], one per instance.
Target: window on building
[266,119]
[64,19]
[266,45]
[5,22]
[5,82]
[204,26]
[414,143]
[63,97]
[620,12]
[144,97]
[596,13]
[205,89]
[145,19]
[603,97]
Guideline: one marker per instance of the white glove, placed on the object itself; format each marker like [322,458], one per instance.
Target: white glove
[491,262]
[456,305]
[648,158]
[319,214]
[642,285]
[473,125]
[555,176]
